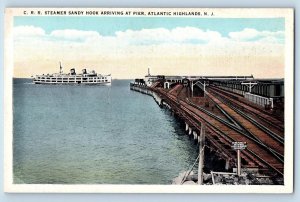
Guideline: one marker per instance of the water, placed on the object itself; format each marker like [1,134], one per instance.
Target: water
[94,135]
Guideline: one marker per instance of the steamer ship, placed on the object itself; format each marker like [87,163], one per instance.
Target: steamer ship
[85,78]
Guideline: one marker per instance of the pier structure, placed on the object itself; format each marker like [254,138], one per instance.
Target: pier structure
[227,109]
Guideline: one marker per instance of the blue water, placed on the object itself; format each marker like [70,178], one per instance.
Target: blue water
[94,135]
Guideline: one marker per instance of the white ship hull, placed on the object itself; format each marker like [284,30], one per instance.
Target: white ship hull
[86,78]
[99,80]
[73,83]
[68,79]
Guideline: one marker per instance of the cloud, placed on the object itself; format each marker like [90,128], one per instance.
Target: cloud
[249,34]
[188,34]
[28,31]
[75,35]
[162,35]
[144,36]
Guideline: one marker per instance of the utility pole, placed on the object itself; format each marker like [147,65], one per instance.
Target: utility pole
[250,85]
[201,154]
[239,162]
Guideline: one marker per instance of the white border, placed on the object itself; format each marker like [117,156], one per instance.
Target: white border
[288,14]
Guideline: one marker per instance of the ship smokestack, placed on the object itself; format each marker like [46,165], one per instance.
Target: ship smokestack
[148,71]
[60,68]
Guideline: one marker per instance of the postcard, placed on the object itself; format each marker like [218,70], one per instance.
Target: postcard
[149,100]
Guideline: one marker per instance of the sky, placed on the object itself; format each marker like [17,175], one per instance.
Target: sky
[127,46]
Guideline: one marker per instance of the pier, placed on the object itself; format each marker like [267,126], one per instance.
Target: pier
[229,111]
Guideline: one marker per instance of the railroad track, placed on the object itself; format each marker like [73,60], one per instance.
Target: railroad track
[259,133]
[241,129]
[257,151]
[229,124]
[224,99]
[277,136]
[216,136]
[264,116]
[252,147]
